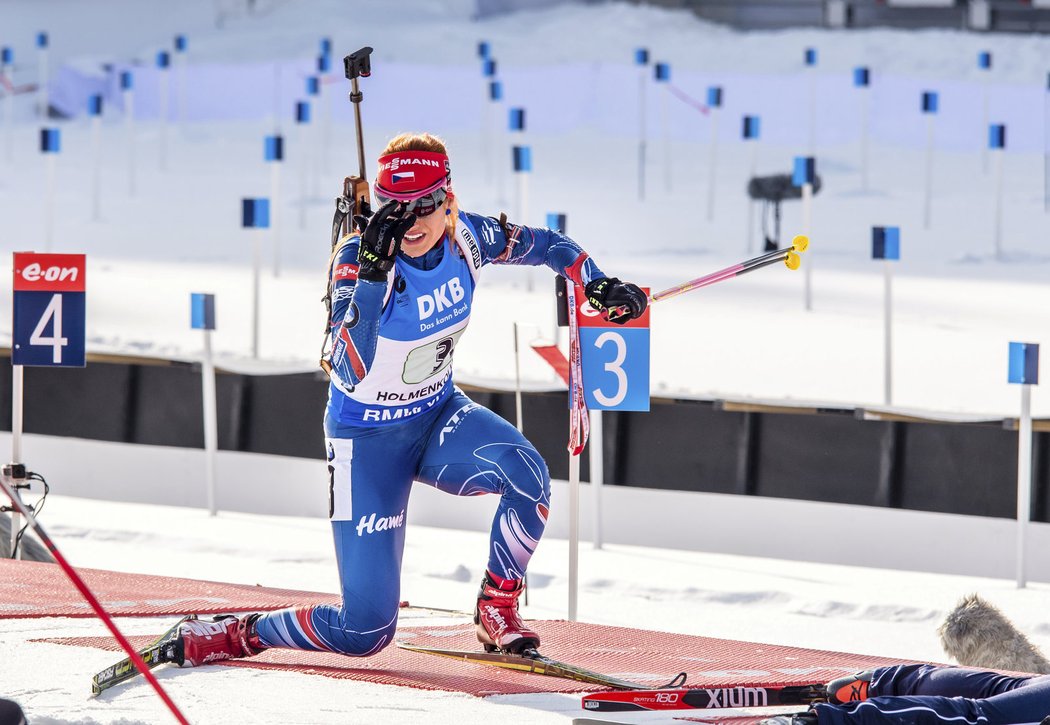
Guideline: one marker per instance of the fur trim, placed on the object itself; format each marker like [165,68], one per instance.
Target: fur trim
[977,634]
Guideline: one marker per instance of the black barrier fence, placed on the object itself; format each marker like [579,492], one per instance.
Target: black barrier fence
[829,454]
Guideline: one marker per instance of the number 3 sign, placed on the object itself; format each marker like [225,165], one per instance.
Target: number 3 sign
[615,359]
[49,309]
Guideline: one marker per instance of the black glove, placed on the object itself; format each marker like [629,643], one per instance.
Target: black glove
[381,240]
[608,293]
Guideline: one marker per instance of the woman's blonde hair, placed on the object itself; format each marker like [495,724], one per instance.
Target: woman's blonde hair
[433,144]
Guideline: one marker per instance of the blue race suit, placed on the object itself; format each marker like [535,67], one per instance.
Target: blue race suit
[931,695]
[394,416]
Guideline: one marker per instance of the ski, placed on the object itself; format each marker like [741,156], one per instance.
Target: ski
[157,652]
[704,698]
[533,662]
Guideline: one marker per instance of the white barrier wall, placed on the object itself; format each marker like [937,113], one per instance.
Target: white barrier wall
[744,525]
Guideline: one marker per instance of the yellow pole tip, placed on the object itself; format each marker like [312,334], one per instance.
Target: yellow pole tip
[800,243]
[793,261]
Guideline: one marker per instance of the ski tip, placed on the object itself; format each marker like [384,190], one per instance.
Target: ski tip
[792,260]
[800,243]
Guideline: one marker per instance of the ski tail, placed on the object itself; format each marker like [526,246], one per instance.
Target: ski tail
[704,698]
[161,650]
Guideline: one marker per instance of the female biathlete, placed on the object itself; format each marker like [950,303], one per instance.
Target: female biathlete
[402,292]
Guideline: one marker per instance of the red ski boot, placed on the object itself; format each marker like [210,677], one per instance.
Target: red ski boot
[499,626]
[224,638]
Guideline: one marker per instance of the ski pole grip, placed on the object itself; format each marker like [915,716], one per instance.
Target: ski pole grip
[358,64]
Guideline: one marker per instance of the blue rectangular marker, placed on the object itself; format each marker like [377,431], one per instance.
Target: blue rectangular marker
[641,56]
[1024,363]
[522,158]
[50,141]
[615,372]
[805,170]
[313,85]
[984,60]
[273,148]
[42,40]
[7,56]
[324,63]
[556,222]
[326,46]
[163,59]
[488,67]
[751,128]
[255,213]
[861,77]
[180,44]
[495,91]
[662,72]
[714,96]
[516,119]
[929,102]
[483,50]
[886,243]
[810,56]
[302,112]
[95,105]
[997,136]
[127,80]
[202,311]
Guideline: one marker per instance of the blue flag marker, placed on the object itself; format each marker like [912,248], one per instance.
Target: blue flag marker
[484,49]
[861,77]
[886,243]
[662,72]
[255,213]
[805,170]
[751,127]
[273,148]
[516,119]
[495,91]
[1024,363]
[326,46]
[522,158]
[929,102]
[50,141]
[95,105]
[7,56]
[714,96]
[556,222]
[984,60]
[163,59]
[127,81]
[313,86]
[324,63]
[810,56]
[641,56]
[997,136]
[180,44]
[302,112]
[42,40]
[488,67]
[202,311]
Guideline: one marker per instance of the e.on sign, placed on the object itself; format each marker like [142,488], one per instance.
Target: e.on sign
[49,309]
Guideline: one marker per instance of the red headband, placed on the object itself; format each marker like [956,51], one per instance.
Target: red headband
[408,175]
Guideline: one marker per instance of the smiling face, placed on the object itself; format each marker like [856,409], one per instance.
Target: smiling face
[425,233]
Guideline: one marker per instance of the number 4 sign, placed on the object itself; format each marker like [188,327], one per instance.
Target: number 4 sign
[615,359]
[49,306]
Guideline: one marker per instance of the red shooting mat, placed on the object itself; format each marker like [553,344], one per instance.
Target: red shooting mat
[35,589]
[651,658]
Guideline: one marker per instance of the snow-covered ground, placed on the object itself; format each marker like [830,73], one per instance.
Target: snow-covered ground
[956,305]
[869,611]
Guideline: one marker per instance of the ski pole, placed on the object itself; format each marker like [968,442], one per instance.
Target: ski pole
[82,587]
[788,256]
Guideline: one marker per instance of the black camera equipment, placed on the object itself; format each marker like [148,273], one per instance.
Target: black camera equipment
[771,190]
